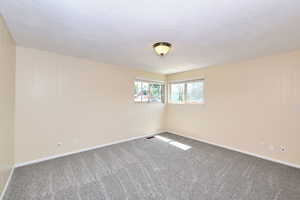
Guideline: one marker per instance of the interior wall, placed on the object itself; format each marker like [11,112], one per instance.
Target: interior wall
[7,86]
[64,104]
[252,106]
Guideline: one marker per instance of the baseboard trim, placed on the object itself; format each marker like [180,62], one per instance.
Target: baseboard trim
[238,150]
[7,183]
[81,150]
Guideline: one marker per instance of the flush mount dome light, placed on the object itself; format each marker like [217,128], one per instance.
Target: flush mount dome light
[162,48]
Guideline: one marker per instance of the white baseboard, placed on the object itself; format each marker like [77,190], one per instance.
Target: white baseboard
[81,150]
[7,183]
[238,150]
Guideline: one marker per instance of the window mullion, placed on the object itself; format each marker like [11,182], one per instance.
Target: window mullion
[141,91]
[162,93]
[149,84]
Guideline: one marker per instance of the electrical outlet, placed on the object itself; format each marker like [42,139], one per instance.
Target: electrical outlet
[282,149]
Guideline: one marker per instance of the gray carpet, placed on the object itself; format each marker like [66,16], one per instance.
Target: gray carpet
[153,169]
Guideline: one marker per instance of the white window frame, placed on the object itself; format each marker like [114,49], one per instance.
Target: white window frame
[185,82]
[162,83]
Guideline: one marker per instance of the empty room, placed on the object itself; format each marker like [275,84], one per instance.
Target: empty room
[149,100]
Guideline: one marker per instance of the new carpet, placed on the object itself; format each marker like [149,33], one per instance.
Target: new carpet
[156,169]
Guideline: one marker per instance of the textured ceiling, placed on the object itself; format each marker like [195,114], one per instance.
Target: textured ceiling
[203,32]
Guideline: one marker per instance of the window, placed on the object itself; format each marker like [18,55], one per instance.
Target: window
[186,92]
[177,94]
[194,92]
[148,91]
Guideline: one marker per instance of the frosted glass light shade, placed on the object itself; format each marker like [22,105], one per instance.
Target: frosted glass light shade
[162,48]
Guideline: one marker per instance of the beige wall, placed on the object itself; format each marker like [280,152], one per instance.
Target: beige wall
[76,102]
[253,106]
[7,84]
[250,105]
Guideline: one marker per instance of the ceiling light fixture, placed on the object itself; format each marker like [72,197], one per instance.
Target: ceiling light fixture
[162,48]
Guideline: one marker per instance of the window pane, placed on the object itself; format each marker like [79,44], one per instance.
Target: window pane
[155,92]
[148,92]
[177,92]
[194,93]
[145,92]
[138,91]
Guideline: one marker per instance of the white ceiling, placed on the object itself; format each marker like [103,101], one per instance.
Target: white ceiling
[203,32]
